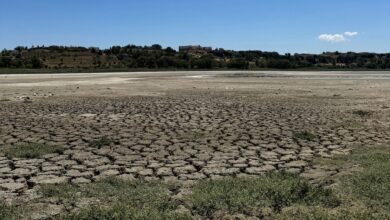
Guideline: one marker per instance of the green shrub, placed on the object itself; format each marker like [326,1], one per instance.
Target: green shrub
[120,212]
[118,199]
[304,135]
[10,212]
[243,195]
[373,183]
[362,113]
[306,213]
[104,141]
[30,151]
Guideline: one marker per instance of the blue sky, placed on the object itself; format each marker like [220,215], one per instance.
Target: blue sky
[270,25]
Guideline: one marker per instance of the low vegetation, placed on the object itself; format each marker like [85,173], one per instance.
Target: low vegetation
[362,113]
[360,194]
[372,184]
[31,151]
[273,192]
[6,211]
[104,141]
[156,57]
[118,200]
[368,184]
[304,135]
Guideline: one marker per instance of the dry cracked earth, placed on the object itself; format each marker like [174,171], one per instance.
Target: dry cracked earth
[184,126]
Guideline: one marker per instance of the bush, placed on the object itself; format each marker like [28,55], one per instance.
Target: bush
[119,212]
[248,195]
[104,141]
[30,151]
[362,113]
[372,184]
[304,135]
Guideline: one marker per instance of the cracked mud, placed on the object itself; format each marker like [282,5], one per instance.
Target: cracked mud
[185,129]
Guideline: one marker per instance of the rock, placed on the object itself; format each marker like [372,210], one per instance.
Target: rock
[260,170]
[77,173]
[52,168]
[66,162]
[126,177]
[81,180]
[269,155]
[182,211]
[146,172]
[48,179]
[296,164]
[164,171]
[110,173]
[288,157]
[184,169]
[45,211]
[23,172]
[13,187]
[192,176]
[5,170]
[221,171]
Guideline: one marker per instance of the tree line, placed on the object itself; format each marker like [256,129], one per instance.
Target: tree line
[157,57]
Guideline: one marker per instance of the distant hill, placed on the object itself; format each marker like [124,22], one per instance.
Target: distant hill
[155,57]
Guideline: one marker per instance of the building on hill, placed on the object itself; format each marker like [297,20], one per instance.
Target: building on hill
[195,48]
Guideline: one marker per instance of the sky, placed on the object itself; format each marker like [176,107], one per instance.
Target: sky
[285,26]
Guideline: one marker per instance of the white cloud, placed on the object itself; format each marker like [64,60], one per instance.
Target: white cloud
[332,37]
[335,38]
[350,34]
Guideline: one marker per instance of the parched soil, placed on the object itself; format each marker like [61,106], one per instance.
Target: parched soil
[172,127]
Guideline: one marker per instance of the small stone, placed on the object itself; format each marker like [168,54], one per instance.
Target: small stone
[52,168]
[260,170]
[81,180]
[22,172]
[13,187]
[126,177]
[146,172]
[296,164]
[5,170]
[48,179]
[108,173]
[77,173]
[184,169]
[164,171]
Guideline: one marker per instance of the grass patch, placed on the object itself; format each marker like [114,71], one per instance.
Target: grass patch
[6,211]
[251,195]
[348,124]
[152,200]
[119,212]
[361,194]
[305,213]
[370,183]
[304,135]
[118,200]
[362,113]
[31,151]
[12,211]
[99,143]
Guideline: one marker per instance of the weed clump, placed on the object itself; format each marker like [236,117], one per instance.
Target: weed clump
[362,113]
[304,135]
[99,143]
[249,195]
[31,151]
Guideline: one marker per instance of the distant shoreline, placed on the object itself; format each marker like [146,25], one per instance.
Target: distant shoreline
[5,71]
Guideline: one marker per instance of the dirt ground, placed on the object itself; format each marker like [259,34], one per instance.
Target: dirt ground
[186,126]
